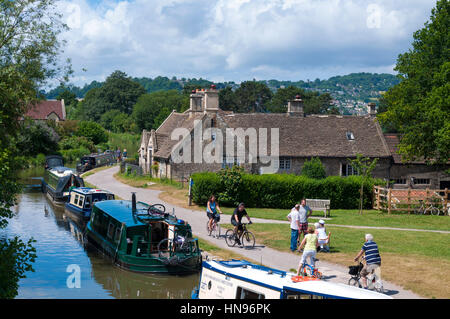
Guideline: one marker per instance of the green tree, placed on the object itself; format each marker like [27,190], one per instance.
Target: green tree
[364,166]
[252,96]
[119,92]
[419,107]
[314,169]
[93,132]
[313,102]
[29,50]
[149,106]
[227,99]
[36,138]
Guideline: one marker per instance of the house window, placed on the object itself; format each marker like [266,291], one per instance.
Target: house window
[284,163]
[401,181]
[229,162]
[350,136]
[422,181]
[348,170]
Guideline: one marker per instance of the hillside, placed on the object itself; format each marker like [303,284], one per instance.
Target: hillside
[350,92]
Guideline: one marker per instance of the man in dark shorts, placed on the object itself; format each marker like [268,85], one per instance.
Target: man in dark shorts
[304,213]
[236,218]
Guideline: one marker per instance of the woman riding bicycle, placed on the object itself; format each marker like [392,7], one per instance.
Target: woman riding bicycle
[213,210]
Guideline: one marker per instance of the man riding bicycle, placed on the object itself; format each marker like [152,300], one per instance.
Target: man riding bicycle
[236,218]
[372,256]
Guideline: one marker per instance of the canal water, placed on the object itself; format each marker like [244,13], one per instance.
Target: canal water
[64,256]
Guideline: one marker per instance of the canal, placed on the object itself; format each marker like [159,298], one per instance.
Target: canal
[64,256]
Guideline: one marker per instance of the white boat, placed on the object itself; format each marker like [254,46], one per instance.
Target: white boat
[240,279]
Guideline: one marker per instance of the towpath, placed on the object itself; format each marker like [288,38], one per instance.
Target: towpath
[270,257]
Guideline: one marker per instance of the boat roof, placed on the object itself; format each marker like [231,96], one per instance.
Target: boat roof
[89,190]
[61,171]
[279,280]
[120,210]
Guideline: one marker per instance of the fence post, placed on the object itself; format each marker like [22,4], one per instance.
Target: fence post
[409,200]
[190,192]
[446,201]
[426,197]
[379,198]
[389,201]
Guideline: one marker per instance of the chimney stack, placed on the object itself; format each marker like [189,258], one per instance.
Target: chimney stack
[372,108]
[295,107]
[196,101]
[211,99]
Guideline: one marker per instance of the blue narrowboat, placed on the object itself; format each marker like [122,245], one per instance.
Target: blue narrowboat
[82,199]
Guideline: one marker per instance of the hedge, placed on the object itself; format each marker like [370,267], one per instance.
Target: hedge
[283,191]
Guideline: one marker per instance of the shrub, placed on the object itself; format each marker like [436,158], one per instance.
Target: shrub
[74,155]
[76,142]
[282,190]
[93,132]
[314,169]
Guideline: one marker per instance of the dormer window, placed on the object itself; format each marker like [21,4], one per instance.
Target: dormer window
[350,136]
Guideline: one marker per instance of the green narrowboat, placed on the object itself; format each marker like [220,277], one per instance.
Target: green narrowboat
[143,238]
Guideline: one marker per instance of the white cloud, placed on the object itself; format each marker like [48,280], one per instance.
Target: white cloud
[240,39]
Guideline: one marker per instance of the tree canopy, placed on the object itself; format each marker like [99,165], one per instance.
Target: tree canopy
[419,107]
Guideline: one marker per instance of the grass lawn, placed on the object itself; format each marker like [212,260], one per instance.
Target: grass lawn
[417,261]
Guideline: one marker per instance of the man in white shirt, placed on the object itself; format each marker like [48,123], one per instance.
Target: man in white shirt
[293,217]
[304,212]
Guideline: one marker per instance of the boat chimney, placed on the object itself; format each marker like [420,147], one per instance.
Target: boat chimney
[133,202]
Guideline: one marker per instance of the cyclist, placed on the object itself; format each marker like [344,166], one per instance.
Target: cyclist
[310,242]
[212,210]
[372,256]
[236,218]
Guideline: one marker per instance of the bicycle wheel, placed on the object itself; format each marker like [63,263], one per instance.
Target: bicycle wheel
[164,248]
[208,231]
[216,230]
[354,282]
[434,210]
[248,239]
[230,238]
[317,274]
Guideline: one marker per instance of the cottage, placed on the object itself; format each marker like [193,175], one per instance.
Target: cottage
[48,110]
[206,138]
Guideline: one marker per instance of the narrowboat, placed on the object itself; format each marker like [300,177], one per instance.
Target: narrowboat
[58,181]
[89,162]
[81,200]
[143,238]
[52,161]
[240,279]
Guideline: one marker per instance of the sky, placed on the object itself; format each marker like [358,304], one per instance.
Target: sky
[238,40]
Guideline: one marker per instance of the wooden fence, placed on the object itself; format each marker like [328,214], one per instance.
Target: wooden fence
[407,200]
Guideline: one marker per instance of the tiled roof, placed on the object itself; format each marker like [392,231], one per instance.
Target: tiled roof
[43,109]
[315,135]
[392,140]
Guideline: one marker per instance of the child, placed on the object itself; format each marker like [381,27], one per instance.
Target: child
[310,242]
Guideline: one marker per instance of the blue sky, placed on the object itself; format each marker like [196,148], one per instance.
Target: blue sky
[237,40]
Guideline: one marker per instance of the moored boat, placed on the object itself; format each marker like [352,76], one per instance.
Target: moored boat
[143,238]
[81,200]
[240,279]
[58,181]
[89,162]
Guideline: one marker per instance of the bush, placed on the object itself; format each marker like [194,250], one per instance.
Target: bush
[93,132]
[314,169]
[283,191]
[74,155]
[76,142]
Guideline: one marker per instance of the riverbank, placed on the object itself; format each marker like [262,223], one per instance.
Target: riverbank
[262,253]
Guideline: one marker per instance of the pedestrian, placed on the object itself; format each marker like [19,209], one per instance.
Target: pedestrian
[372,256]
[236,219]
[125,153]
[304,213]
[118,155]
[324,239]
[293,218]
[310,243]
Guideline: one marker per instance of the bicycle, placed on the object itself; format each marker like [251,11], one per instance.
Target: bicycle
[373,279]
[247,239]
[425,210]
[313,272]
[215,229]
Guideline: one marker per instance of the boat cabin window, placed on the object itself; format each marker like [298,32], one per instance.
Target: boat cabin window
[117,235]
[110,232]
[81,201]
[300,295]
[87,204]
[75,202]
[243,293]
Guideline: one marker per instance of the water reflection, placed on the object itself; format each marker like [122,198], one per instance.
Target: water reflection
[61,242]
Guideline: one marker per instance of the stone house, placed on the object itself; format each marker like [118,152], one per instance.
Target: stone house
[48,110]
[200,140]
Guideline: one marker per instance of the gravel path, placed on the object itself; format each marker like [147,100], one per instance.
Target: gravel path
[197,219]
